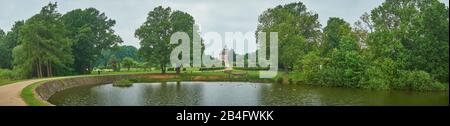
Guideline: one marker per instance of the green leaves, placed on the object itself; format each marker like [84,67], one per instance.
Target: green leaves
[92,32]
[128,62]
[10,40]
[413,33]
[298,30]
[43,45]
[335,30]
[155,33]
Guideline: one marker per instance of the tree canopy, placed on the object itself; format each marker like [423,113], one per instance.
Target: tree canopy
[298,30]
[92,32]
[155,33]
[43,47]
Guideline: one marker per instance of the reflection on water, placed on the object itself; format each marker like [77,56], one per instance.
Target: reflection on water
[237,94]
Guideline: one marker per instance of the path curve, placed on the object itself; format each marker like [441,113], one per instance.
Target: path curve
[10,93]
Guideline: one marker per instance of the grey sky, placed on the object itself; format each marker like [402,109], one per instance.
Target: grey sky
[219,16]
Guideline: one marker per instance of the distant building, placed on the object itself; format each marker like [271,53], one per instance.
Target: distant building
[226,56]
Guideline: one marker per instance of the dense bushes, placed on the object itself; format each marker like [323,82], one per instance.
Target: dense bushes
[374,78]
[6,74]
[418,80]
[310,65]
[380,53]
[384,76]
[122,83]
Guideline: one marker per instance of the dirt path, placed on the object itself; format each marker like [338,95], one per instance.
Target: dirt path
[10,93]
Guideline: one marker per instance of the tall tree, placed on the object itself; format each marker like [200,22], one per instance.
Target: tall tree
[128,62]
[335,30]
[295,26]
[155,36]
[43,47]
[156,31]
[10,40]
[92,32]
[414,33]
[2,48]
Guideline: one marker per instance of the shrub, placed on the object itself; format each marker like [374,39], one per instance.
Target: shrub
[374,78]
[122,83]
[298,78]
[418,80]
[6,74]
[310,65]
[330,76]
[439,86]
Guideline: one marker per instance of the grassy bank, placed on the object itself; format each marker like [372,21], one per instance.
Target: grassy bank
[30,97]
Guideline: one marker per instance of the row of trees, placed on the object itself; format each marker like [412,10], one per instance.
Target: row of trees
[50,43]
[402,44]
[116,57]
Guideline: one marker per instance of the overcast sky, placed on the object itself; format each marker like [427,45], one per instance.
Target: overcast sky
[217,16]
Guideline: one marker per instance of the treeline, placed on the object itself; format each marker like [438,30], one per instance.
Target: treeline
[402,44]
[54,44]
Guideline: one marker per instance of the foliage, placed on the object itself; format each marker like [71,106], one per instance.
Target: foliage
[92,32]
[44,50]
[123,83]
[155,33]
[311,65]
[128,62]
[119,52]
[418,80]
[374,78]
[7,44]
[332,34]
[298,31]
[415,33]
[402,44]
[114,63]
[6,74]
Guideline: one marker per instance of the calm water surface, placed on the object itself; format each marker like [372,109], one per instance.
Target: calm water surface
[238,94]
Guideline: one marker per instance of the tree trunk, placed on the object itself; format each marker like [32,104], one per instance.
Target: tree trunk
[51,70]
[286,68]
[48,69]
[39,68]
[178,70]
[163,69]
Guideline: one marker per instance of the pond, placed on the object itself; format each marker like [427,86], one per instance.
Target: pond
[239,94]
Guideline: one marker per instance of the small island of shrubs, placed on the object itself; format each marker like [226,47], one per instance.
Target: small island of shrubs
[123,83]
